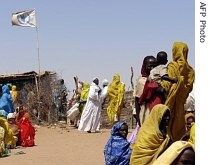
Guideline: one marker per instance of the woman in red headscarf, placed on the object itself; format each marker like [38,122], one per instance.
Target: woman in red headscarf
[148,63]
[142,111]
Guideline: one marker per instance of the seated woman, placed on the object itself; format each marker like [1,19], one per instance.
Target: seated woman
[117,150]
[27,130]
[13,126]
[178,153]
[153,138]
[9,138]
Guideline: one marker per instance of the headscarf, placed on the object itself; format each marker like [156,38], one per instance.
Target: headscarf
[105,82]
[3,113]
[143,67]
[84,95]
[84,92]
[173,152]
[116,91]
[177,93]
[22,114]
[150,142]
[189,115]
[10,115]
[117,150]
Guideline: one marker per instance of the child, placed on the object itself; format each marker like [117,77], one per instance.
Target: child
[117,150]
[160,72]
[157,74]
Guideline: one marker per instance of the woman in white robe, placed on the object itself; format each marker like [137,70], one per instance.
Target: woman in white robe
[90,116]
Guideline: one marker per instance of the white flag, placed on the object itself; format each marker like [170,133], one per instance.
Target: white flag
[24,18]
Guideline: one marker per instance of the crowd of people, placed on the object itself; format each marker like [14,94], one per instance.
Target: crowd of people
[163,108]
[165,115]
[16,129]
[90,101]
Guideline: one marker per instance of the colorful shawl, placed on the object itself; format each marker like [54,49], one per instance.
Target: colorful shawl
[9,138]
[178,93]
[84,92]
[116,91]
[187,115]
[150,142]
[27,133]
[173,152]
[117,150]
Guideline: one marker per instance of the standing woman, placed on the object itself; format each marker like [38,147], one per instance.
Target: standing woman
[6,102]
[14,94]
[178,93]
[90,114]
[148,63]
[116,91]
[142,111]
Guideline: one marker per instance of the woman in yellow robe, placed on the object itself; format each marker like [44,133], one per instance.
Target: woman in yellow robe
[9,138]
[14,94]
[116,91]
[152,138]
[177,93]
[84,95]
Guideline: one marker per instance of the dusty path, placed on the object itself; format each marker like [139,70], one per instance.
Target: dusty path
[61,146]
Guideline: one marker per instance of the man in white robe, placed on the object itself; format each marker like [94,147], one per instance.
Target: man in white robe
[90,117]
[103,96]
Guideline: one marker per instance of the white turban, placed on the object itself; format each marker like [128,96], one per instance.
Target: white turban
[95,78]
[10,115]
[105,82]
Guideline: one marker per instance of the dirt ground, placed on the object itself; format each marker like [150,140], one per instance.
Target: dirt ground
[62,145]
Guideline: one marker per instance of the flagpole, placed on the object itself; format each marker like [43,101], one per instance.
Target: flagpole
[38,89]
[27,18]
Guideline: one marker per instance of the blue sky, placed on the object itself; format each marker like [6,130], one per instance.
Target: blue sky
[94,38]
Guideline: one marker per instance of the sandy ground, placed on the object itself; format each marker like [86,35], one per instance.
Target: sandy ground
[62,146]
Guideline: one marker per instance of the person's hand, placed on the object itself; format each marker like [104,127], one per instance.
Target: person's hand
[175,80]
[160,90]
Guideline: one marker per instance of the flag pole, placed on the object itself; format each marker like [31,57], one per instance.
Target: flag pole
[27,18]
[38,88]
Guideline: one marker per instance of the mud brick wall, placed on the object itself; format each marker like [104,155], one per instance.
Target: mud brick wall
[126,113]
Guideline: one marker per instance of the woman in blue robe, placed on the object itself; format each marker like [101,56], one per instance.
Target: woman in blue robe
[6,100]
[117,151]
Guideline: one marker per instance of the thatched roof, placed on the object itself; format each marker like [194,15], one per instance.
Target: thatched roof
[23,76]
